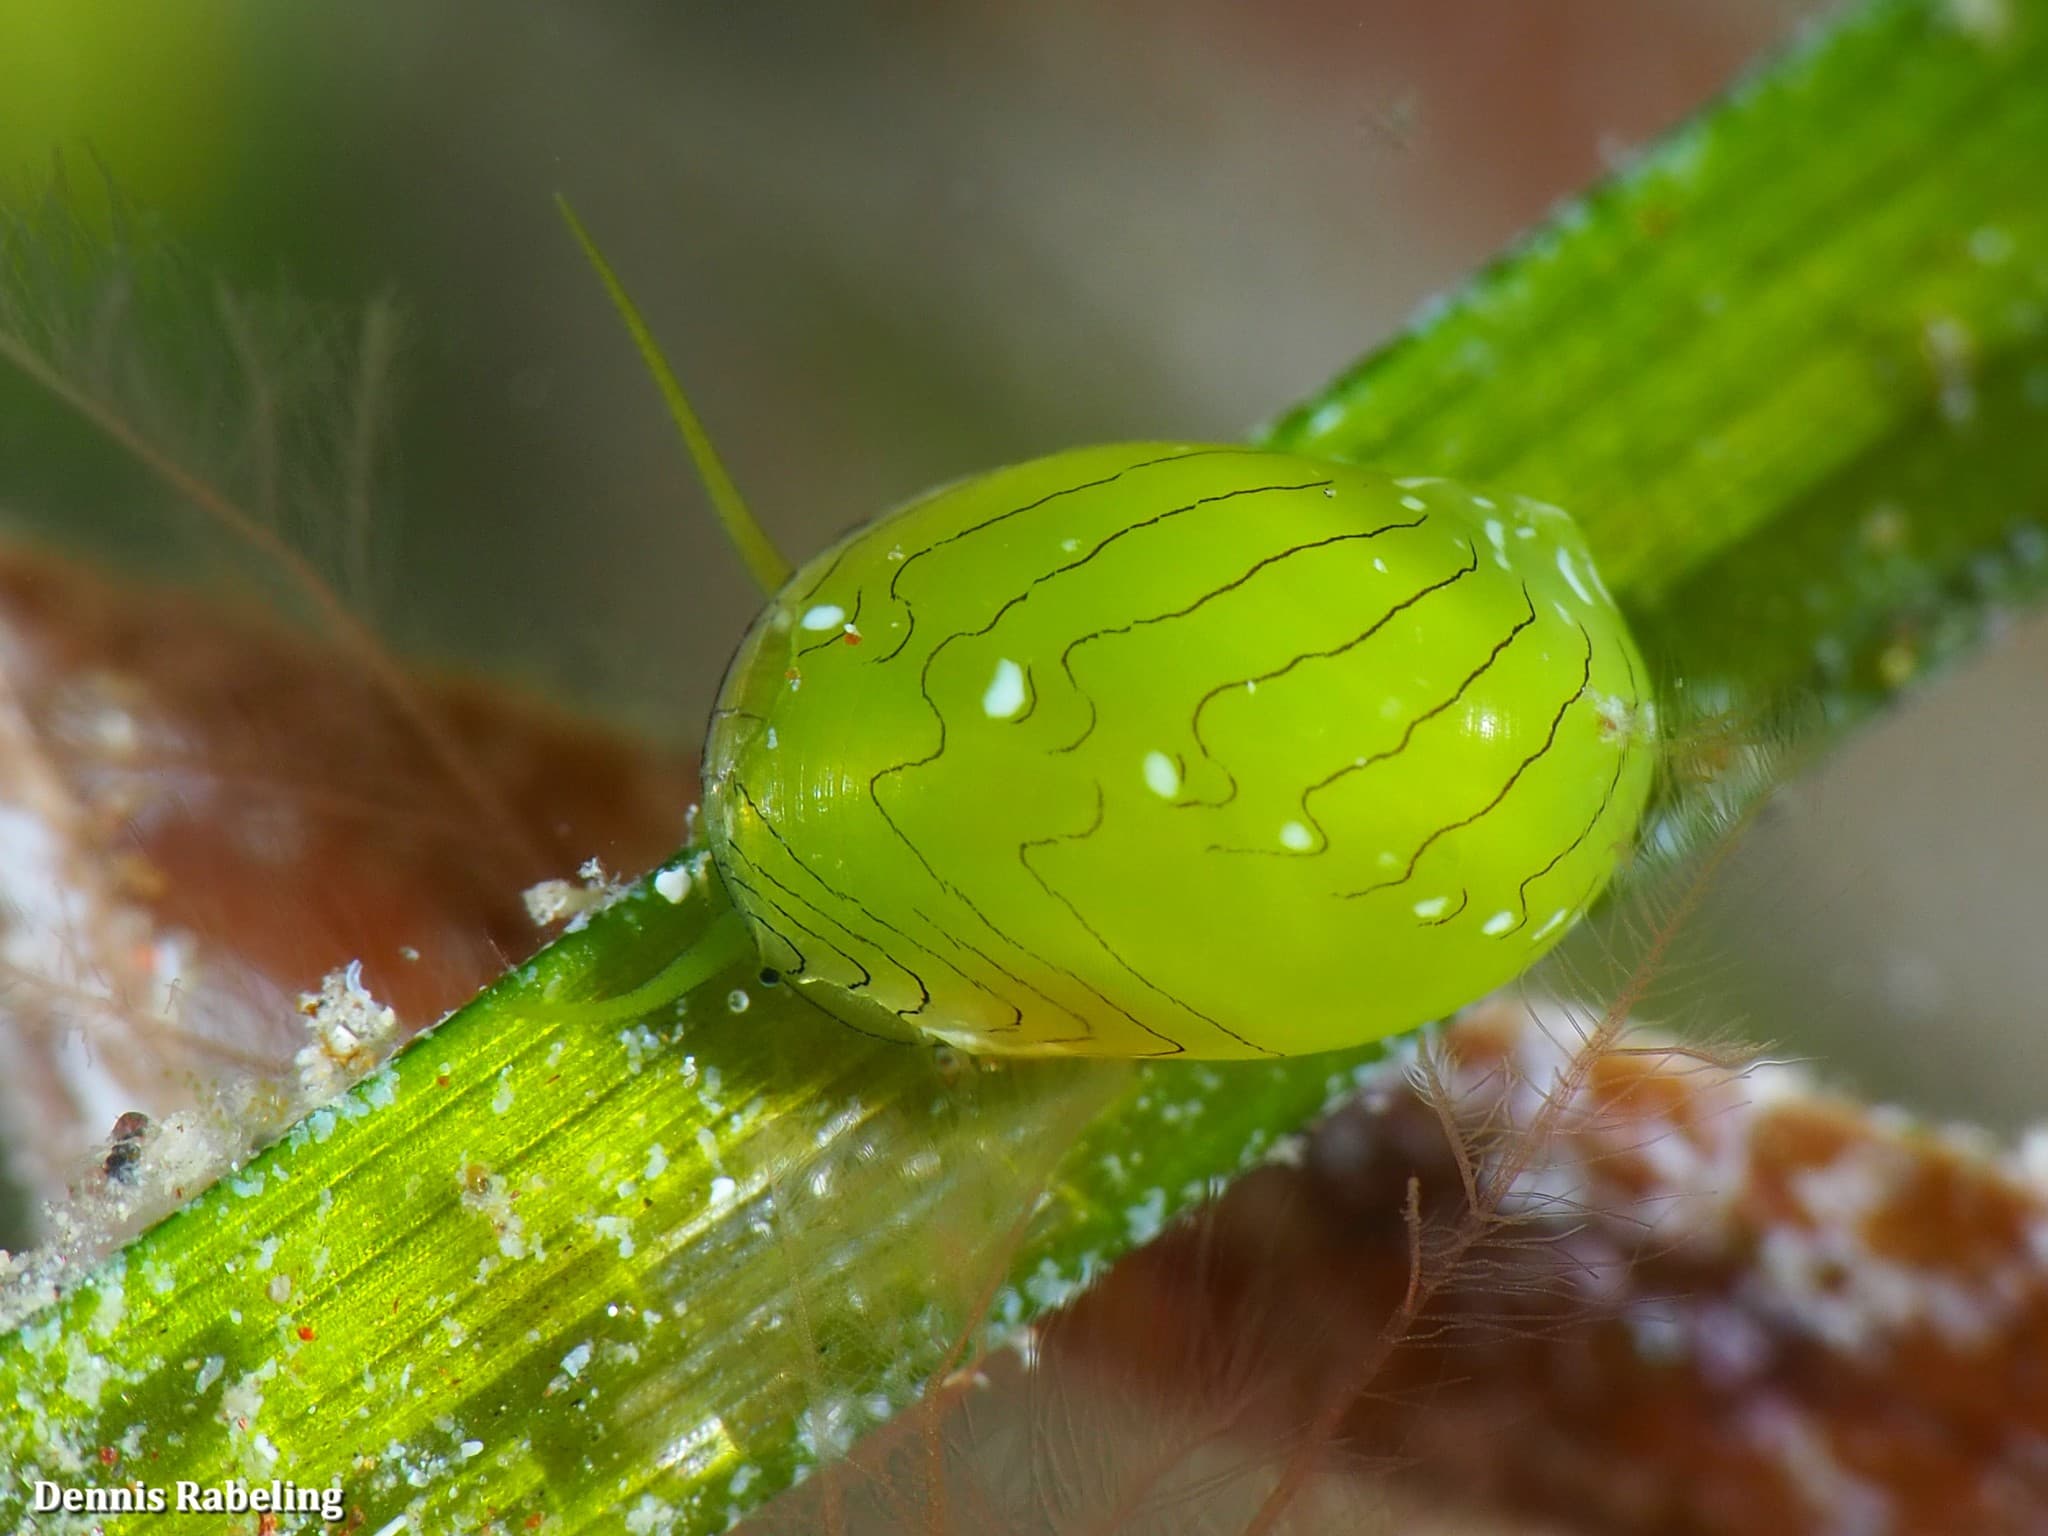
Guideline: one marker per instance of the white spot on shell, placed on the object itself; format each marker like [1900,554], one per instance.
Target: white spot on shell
[1593,573]
[1005,693]
[1434,907]
[1497,924]
[1414,503]
[1550,925]
[1296,836]
[824,616]
[1569,569]
[1162,775]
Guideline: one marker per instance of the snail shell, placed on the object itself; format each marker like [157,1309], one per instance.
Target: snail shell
[1165,749]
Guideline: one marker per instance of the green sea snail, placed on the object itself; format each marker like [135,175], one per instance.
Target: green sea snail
[1162,749]
[1168,749]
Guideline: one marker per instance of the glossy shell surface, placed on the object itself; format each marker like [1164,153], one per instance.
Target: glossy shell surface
[1164,749]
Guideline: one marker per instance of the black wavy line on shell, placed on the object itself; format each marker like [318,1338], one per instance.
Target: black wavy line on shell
[911,559]
[1407,735]
[1606,800]
[1217,692]
[838,637]
[799,992]
[907,765]
[803,966]
[1094,826]
[1066,656]
[1549,741]
[851,901]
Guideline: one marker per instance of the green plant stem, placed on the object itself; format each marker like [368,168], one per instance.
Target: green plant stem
[1790,371]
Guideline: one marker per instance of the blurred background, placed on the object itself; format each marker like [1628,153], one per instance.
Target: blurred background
[887,245]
